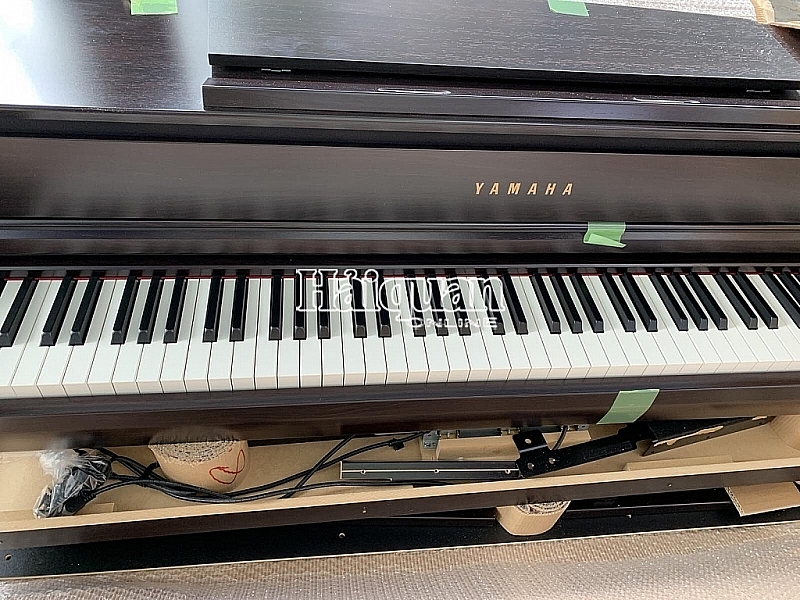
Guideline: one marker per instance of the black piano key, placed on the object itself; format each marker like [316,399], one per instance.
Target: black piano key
[299,331]
[19,306]
[123,320]
[788,303]
[213,308]
[791,284]
[719,318]
[239,308]
[437,308]
[492,307]
[384,318]
[80,326]
[324,312]
[513,304]
[417,316]
[689,302]
[741,307]
[587,302]
[640,303]
[756,300]
[567,305]
[276,306]
[673,308]
[153,299]
[459,307]
[58,311]
[546,304]
[359,312]
[618,302]
[173,324]
[3,278]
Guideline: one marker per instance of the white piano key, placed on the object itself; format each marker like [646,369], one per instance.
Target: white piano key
[352,347]
[500,367]
[438,365]
[453,342]
[332,351]
[243,371]
[198,356]
[311,348]
[581,364]
[739,336]
[617,362]
[221,361]
[594,348]
[266,349]
[148,377]
[130,353]
[656,363]
[34,355]
[515,347]
[416,356]
[374,354]
[105,359]
[174,369]
[666,333]
[637,363]
[534,347]
[55,364]
[30,329]
[560,367]
[288,347]
[786,331]
[716,349]
[76,378]
[394,349]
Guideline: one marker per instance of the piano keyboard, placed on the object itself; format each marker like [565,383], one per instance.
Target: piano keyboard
[179,332]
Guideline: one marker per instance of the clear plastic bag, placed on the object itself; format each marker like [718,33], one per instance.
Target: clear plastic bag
[76,475]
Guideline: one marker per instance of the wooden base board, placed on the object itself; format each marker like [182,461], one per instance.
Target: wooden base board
[757,455]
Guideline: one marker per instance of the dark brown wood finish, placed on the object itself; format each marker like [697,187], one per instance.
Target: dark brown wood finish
[280,414]
[118,179]
[507,38]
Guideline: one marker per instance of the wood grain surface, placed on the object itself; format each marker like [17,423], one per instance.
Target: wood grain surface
[506,38]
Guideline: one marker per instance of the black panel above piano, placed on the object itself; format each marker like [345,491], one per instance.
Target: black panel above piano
[509,39]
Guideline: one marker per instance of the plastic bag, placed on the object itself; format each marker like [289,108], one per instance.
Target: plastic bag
[76,475]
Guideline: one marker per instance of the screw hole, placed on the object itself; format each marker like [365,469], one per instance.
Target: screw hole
[528,441]
[8,557]
[341,535]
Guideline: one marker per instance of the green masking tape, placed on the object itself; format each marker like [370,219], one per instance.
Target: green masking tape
[154,7]
[604,234]
[568,7]
[628,406]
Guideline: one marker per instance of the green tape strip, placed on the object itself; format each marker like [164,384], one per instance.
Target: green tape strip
[628,406]
[568,7]
[604,234]
[154,7]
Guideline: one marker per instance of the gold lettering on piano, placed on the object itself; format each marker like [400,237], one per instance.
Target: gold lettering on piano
[515,187]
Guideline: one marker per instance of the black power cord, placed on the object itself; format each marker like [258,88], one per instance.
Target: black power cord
[145,476]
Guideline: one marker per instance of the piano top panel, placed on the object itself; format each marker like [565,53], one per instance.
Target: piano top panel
[505,39]
[91,54]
